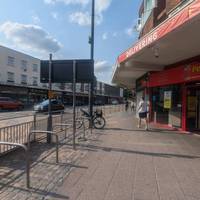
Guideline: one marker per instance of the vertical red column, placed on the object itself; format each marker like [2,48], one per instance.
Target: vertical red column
[184,108]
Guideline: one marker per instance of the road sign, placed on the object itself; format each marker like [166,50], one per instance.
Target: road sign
[62,71]
[50,94]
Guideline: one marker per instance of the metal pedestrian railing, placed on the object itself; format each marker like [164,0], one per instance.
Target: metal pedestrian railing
[44,132]
[17,136]
[19,133]
[26,155]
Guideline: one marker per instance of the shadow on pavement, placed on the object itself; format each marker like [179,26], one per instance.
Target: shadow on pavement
[37,191]
[165,155]
[150,130]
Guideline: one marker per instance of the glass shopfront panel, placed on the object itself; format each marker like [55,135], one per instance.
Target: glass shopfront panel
[167,105]
[193,108]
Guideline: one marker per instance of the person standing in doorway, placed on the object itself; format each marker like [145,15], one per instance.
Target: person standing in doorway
[142,113]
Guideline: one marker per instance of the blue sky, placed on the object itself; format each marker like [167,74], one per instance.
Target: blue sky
[62,27]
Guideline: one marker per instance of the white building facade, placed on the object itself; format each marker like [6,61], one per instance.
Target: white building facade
[18,69]
[20,79]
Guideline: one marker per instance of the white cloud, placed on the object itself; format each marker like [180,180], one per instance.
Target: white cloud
[102,5]
[54,15]
[67,2]
[84,18]
[81,18]
[102,66]
[36,19]
[30,37]
[130,31]
[105,36]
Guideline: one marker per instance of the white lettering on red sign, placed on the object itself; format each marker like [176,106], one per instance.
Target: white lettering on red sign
[141,44]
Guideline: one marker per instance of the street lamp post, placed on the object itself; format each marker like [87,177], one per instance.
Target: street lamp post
[49,122]
[91,91]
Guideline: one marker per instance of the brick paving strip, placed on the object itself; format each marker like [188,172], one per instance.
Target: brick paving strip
[118,163]
[45,173]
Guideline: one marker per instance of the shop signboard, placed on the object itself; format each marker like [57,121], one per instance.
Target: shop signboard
[167,99]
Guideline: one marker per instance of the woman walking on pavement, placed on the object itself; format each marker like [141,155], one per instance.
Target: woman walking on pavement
[142,112]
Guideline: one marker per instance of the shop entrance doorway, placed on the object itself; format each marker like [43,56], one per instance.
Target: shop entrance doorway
[193,109]
[198,110]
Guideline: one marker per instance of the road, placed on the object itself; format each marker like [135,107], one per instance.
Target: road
[9,118]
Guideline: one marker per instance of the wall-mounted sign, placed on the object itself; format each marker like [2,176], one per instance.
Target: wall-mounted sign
[195,68]
[167,99]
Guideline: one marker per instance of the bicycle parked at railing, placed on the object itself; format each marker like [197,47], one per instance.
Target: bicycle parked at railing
[98,121]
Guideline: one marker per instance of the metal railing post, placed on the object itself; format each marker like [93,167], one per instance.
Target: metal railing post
[44,132]
[34,124]
[27,159]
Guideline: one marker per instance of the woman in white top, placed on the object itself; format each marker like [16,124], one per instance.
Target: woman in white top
[142,112]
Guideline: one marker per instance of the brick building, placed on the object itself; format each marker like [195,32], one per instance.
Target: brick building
[164,64]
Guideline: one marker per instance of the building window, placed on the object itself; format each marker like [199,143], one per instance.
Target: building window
[35,67]
[24,65]
[11,77]
[35,81]
[11,61]
[23,79]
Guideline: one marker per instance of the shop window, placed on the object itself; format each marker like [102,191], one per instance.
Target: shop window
[11,61]
[167,105]
[11,77]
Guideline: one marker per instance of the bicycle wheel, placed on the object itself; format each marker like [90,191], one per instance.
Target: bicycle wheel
[99,122]
[79,124]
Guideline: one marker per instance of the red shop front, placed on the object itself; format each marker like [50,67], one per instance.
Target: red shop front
[175,97]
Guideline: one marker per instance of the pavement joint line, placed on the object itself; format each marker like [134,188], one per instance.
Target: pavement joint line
[178,181]
[113,175]
[157,182]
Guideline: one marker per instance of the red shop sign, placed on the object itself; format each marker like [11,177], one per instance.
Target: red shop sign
[176,75]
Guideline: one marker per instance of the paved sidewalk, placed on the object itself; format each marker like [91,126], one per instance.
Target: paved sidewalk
[119,163]
[130,164]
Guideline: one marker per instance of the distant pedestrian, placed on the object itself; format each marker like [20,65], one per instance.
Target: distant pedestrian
[143,113]
[132,106]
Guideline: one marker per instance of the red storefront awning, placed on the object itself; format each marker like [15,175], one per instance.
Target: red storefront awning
[174,40]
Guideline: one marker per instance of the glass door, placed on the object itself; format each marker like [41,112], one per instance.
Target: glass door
[198,110]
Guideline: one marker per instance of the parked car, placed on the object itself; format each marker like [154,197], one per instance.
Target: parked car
[98,102]
[114,102]
[7,103]
[43,106]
